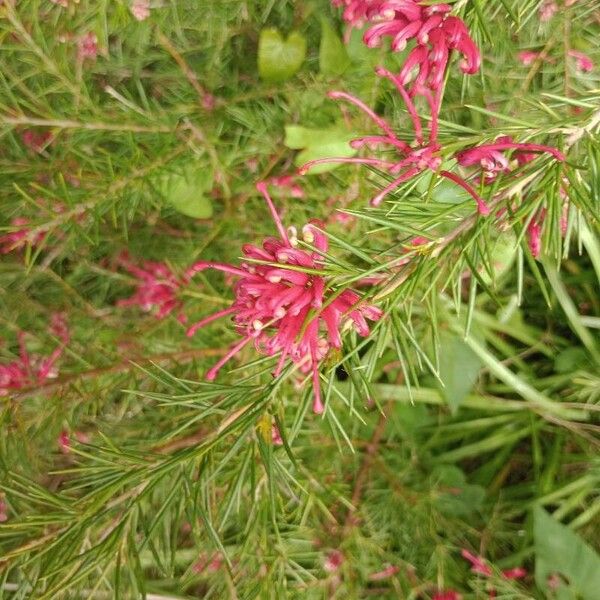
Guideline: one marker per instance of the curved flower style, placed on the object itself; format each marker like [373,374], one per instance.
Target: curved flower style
[283,304]
[435,32]
[492,160]
[414,159]
[32,369]
[157,287]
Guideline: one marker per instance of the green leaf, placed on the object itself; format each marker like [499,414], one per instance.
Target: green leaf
[456,496]
[319,143]
[560,550]
[459,367]
[185,191]
[333,58]
[503,254]
[571,359]
[280,59]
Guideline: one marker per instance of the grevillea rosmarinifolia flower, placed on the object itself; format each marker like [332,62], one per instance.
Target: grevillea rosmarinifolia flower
[435,32]
[283,303]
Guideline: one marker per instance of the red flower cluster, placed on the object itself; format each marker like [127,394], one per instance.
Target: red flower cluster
[283,302]
[17,239]
[157,287]
[435,32]
[30,369]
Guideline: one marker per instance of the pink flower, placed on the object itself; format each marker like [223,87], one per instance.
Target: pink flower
[36,141]
[478,563]
[435,32]
[288,184]
[583,61]
[415,158]
[492,160]
[548,10]
[284,310]
[516,573]
[211,563]
[140,9]
[16,240]
[3,511]
[33,369]
[446,595]
[534,233]
[87,46]
[333,561]
[528,57]
[276,438]
[157,287]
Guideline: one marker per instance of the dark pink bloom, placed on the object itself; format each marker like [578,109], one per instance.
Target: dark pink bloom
[446,595]
[288,184]
[385,574]
[16,240]
[208,101]
[211,563]
[3,511]
[492,160]
[29,369]
[276,438]
[534,233]
[87,46]
[583,61]
[64,442]
[157,287]
[435,32]
[478,563]
[333,561]
[516,573]
[413,159]
[284,310]
[36,141]
[528,57]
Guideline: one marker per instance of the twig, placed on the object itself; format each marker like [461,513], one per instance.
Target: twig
[203,94]
[118,368]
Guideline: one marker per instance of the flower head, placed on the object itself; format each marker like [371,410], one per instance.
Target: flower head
[583,61]
[528,57]
[36,141]
[478,564]
[157,287]
[87,46]
[446,595]
[492,160]
[435,32]
[333,561]
[30,369]
[283,303]
[17,239]
[423,154]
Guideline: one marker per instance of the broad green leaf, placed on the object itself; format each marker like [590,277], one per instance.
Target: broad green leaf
[456,496]
[459,367]
[559,550]
[571,359]
[333,58]
[185,191]
[319,143]
[503,254]
[279,59]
